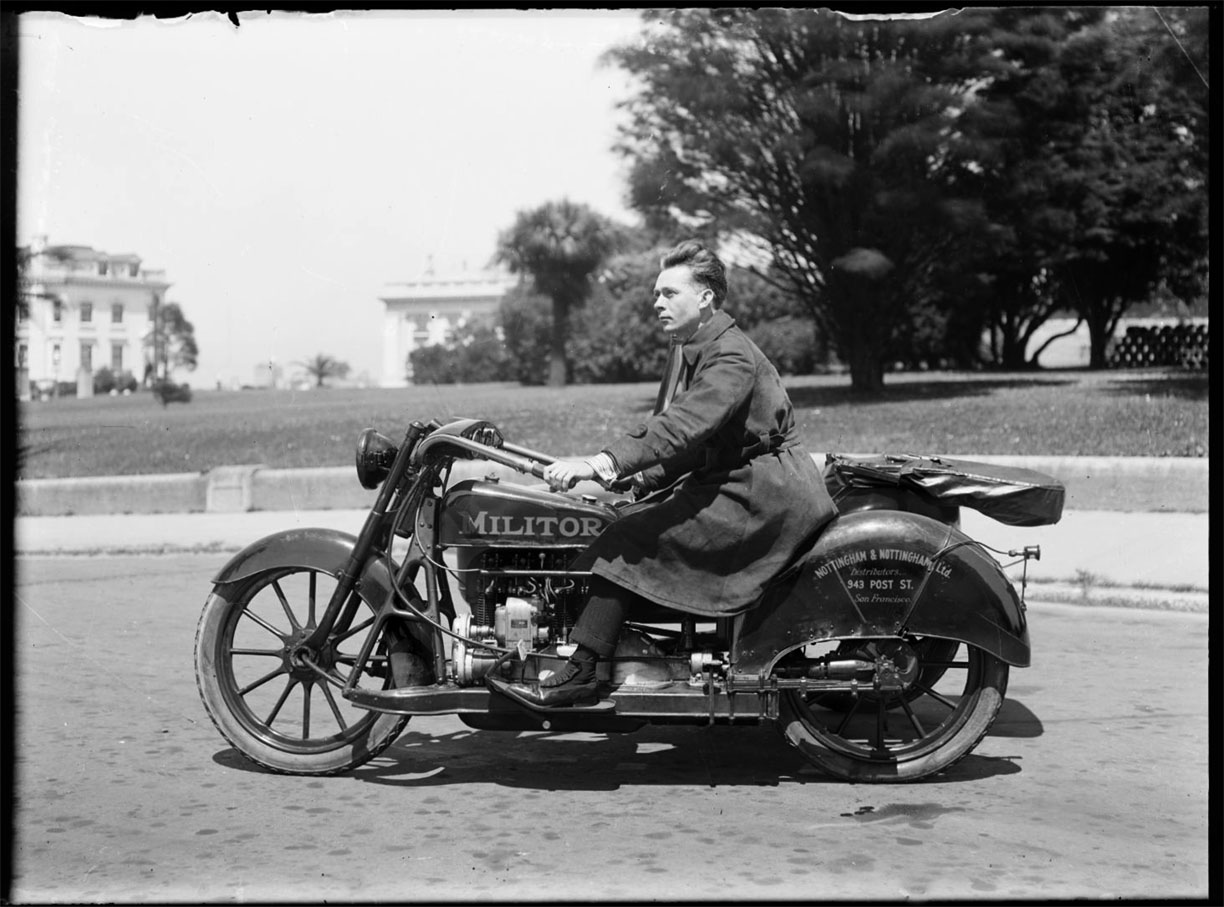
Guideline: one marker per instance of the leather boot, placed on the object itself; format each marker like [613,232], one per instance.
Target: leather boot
[573,684]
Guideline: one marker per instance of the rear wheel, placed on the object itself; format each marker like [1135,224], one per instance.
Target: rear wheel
[941,714]
[259,687]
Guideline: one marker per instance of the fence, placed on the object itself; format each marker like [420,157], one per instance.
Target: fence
[1182,345]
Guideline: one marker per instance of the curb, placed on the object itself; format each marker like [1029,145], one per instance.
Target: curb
[1180,484]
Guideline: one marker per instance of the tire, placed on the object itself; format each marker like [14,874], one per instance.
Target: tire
[275,710]
[911,734]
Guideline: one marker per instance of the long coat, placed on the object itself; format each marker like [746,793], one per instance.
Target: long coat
[750,499]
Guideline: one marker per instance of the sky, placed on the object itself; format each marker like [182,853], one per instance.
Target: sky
[282,172]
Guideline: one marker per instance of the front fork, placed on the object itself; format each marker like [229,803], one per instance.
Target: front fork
[342,607]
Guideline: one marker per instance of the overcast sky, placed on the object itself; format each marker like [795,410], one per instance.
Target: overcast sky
[283,171]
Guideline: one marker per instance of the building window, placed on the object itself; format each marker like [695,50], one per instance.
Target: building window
[57,311]
[55,356]
[133,270]
[117,313]
[86,312]
[87,356]
[102,267]
[23,355]
[116,358]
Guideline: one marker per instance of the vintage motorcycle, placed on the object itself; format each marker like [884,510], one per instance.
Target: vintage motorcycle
[882,654]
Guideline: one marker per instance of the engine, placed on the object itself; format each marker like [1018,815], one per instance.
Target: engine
[515,549]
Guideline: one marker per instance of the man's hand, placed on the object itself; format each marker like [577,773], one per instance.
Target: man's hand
[565,474]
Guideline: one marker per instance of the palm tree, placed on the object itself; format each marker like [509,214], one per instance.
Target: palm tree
[321,366]
[560,245]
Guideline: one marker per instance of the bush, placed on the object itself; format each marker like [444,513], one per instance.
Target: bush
[526,320]
[789,343]
[105,381]
[475,355]
[166,391]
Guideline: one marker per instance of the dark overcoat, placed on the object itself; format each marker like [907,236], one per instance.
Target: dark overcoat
[750,497]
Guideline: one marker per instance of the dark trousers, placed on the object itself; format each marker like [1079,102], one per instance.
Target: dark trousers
[599,624]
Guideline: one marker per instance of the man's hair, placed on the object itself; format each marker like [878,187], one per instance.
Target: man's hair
[706,267]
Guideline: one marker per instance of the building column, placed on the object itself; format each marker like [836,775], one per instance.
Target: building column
[395,356]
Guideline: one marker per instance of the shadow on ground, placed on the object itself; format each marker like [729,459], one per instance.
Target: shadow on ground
[910,391]
[1184,387]
[718,756]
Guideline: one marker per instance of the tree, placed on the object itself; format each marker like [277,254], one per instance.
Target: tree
[171,342]
[559,245]
[475,353]
[1004,272]
[821,138]
[527,327]
[321,366]
[1091,164]
[616,336]
[1133,175]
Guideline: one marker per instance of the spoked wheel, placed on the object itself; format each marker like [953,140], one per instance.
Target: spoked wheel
[257,681]
[943,710]
[934,657]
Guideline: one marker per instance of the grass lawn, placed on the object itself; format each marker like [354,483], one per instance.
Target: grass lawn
[1149,412]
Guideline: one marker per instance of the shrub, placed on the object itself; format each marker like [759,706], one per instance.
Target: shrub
[103,381]
[526,320]
[476,354]
[166,391]
[788,343]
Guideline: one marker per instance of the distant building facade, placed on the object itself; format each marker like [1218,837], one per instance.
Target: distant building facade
[425,311]
[79,310]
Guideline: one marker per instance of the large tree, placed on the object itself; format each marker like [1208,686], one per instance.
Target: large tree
[1010,115]
[559,245]
[821,137]
[1131,174]
[1091,166]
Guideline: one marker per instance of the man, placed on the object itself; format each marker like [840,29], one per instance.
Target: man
[746,500]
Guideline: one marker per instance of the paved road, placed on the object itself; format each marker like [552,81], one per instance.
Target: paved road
[1093,783]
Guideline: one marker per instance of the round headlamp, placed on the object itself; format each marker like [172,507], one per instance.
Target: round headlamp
[375,454]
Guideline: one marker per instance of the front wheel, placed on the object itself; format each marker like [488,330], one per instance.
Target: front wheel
[926,728]
[262,689]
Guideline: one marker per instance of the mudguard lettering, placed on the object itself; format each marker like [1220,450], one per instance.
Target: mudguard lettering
[881,572]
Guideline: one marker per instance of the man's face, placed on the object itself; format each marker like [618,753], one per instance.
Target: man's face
[679,301]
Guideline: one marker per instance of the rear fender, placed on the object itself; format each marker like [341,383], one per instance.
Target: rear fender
[871,569]
[325,550]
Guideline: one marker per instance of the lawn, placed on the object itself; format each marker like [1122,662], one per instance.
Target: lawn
[1110,413]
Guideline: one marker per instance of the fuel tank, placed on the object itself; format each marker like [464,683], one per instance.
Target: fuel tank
[480,513]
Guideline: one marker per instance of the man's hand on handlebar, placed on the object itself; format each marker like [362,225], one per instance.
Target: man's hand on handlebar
[562,475]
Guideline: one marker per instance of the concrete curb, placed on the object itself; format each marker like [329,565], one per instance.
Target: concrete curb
[1179,484]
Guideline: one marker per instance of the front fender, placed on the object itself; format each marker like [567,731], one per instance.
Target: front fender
[875,573]
[325,550]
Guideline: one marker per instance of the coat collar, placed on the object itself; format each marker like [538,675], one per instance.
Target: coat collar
[705,335]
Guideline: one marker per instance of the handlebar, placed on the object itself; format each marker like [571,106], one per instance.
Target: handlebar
[522,459]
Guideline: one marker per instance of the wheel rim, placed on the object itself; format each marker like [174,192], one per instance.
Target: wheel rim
[907,724]
[934,654]
[264,668]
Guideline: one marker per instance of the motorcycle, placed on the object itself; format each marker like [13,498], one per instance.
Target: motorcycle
[882,653]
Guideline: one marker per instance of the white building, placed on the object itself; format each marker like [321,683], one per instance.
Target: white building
[424,312]
[80,310]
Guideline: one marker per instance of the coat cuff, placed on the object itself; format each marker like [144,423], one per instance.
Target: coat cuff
[604,466]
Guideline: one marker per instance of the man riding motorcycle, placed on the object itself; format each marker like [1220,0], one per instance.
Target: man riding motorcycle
[736,497]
